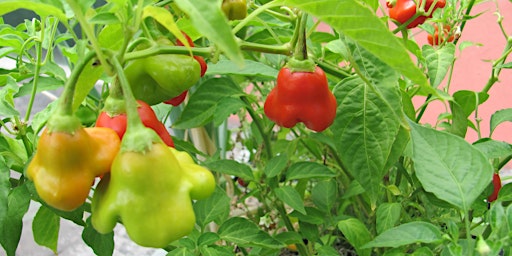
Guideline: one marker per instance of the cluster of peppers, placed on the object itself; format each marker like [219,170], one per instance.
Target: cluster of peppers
[407,12]
[145,183]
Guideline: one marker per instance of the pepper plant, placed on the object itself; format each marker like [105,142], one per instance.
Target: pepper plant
[241,128]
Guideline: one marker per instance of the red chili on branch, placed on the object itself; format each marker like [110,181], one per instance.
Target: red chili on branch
[148,117]
[436,39]
[404,10]
[496,182]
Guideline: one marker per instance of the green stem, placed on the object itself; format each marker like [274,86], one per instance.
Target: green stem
[66,99]
[468,230]
[496,67]
[301,247]
[160,49]
[133,119]
[257,120]
[89,31]
[423,108]
[284,49]
[37,70]
[253,14]
[332,69]
[301,48]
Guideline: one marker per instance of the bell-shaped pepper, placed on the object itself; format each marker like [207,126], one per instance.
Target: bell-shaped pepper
[161,77]
[118,121]
[404,10]
[151,194]
[66,163]
[301,96]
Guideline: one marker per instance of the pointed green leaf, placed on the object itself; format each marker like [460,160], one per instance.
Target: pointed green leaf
[291,197]
[244,232]
[438,62]
[257,70]
[45,228]
[366,129]
[360,23]
[356,233]
[101,244]
[388,215]
[324,194]
[208,19]
[214,208]
[500,116]
[231,167]
[308,170]
[276,165]
[449,167]
[17,206]
[493,148]
[408,233]
[41,9]
[204,101]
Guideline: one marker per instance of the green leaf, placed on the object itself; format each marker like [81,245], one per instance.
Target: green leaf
[45,228]
[17,206]
[469,100]
[111,37]
[449,167]
[204,102]
[276,165]
[356,233]
[500,116]
[367,131]
[231,167]
[408,233]
[438,62]
[308,170]
[256,70]
[86,81]
[358,22]
[5,187]
[104,18]
[165,18]
[181,251]
[459,125]
[43,84]
[214,208]
[324,194]
[245,233]
[38,7]
[208,19]
[7,108]
[207,238]
[291,197]
[225,108]
[388,215]
[312,216]
[101,244]
[493,148]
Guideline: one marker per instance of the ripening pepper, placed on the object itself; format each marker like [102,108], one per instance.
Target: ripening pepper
[161,77]
[151,194]
[118,122]
[301,96]
[436,39]
[66,163]
[180,98]
[496,183]
[234,9]
[404,10]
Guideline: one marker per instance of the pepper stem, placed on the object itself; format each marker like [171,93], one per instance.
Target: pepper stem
[300,61]
[301,48]
[137,138]
[63,119]
[115,103]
